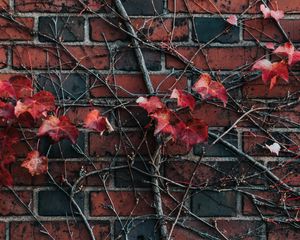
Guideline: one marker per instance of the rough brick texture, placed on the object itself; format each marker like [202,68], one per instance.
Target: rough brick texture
[81,52]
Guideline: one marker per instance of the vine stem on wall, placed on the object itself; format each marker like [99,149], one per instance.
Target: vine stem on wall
[157,156]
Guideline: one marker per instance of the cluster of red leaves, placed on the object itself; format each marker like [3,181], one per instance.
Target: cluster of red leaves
[272,71]
[19,106]
[167,121]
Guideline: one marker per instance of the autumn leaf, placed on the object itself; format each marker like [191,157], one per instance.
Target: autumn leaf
[37,106]
[194,132]
[162,117]
[268,13]
[95,121]
[274,148]
[59,128]
[208,88]
[7,111]
[271,71]
[22,86]
[35,163]
[232,19]
[151,104]
[7,90]
[183,99]
[288,50]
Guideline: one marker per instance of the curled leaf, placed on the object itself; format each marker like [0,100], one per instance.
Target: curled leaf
[95,121]
[208,88]
[274,148]
[183,99]
[288,50]
[267,12]
[232,19]
[59,128]
[151,104]
[35,163]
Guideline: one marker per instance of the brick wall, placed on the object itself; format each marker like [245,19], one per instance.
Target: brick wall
[80,51]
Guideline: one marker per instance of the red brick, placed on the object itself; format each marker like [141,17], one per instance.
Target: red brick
[100,29]
[13,31]
[131,85]
[10,205]
[213,115]
[254,143]
[175,148]
[279,231]
[286,6]
[113,144]
[125,203]
[181,172]
[55,6]
[217,58]
[3,57]
[45,56]
[58,230]
[267,30]
[203,6]
[2,231]
[161,30]
[4,5]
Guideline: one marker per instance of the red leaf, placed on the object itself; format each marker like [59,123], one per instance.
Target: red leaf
[151,104]
[288,50]
[95,121]
[59,128]
[232,19]
[270,45]
[35,163]
[37,106]
[184,99]
[194,132]
[162,116]
[271,71]
[210,89]
[7,90]
[7,111]
[22,86]
[267,12]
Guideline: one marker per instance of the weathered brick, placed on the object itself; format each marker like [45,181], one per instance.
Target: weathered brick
[125,203]
[4,5]
[126,60]
[129,177]
[137,229]
[56,6]
[70,230]
[11,206]
[131,85]
[162,29]
[2,231]
[64,86]
[217,58]
[217,150]
[266,30]
[101,30]
[133,117]
[209,28]
[212,204]
[204,6]
[20,29]
[217,174]
[143,8]
[65,29]
[57,203]
[287,171]
[46,56]
[114,144]
[276,231]
[62,149]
